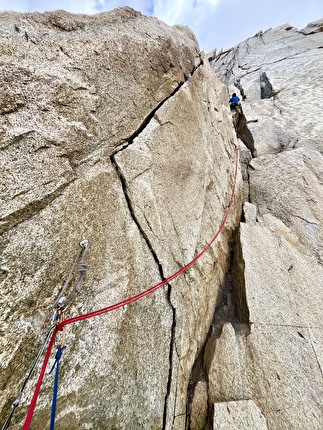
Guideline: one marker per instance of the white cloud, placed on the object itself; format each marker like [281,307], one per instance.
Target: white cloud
[216,23]
[86,6]
[183,11]
[76,6]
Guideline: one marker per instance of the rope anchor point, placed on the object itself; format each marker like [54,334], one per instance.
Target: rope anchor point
[84,243]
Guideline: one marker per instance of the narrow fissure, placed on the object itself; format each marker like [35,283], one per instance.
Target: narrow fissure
[231,307]
[132,212]
[160,268]
[239,287]
[198,371]
[171,353]
[126,142]
[197,374]
[266,89]
[124,145]
[243,132]
[237,83]
[240,122]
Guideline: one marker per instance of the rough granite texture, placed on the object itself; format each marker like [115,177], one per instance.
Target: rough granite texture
[274,356]
[240,415]
[112,130]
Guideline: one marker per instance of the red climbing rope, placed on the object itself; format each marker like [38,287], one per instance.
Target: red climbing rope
[33,402]
[127,301]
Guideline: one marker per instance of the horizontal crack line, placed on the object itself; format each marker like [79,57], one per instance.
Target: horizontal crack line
[285,325]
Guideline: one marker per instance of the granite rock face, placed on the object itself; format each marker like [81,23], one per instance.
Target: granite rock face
[279,72]
[112,130]
[273,355]
[240,415]
[62,92]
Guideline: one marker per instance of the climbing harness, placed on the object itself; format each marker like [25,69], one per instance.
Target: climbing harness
[61,304]
[58,317]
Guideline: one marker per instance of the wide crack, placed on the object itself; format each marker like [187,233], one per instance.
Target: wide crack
[231,307]
[237,311]
[243,132]
[266,89]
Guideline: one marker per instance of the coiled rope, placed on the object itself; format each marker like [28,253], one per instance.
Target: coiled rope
[61,325]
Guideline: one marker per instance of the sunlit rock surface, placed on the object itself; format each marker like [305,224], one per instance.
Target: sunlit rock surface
[278,264]
[112,130]
[242,415]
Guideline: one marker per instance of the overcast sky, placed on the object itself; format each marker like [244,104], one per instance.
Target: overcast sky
[216,23]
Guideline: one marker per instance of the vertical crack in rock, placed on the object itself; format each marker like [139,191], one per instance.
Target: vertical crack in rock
[128,141]
[231,307]
[171,353]
[124,145]
[243,132]
[123,181]
[197,374]
[247,197]
[237,83]
[232,303]
[132,213]
[266,89]
[238,279]
[160,268]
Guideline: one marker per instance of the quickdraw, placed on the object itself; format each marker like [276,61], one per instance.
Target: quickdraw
[129,300]
[58,317]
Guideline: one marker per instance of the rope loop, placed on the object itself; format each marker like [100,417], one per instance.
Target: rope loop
[57,318]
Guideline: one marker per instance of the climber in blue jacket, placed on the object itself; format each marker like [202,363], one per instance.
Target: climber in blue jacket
[234,101]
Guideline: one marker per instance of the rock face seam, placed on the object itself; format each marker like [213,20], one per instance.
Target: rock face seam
[266,89]
[168,294]
[171,352]
[243,132]
[31,209]
[151,115]
[132,213]
[143,125]
[315,354]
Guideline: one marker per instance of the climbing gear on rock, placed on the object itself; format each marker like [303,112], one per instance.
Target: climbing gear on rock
[58,317]
[58,356]
[15,404]
[127,301]
[81,255]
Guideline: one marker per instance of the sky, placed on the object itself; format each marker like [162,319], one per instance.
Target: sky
[216,23]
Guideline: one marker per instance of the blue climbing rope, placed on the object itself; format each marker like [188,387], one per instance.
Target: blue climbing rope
[55,391]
